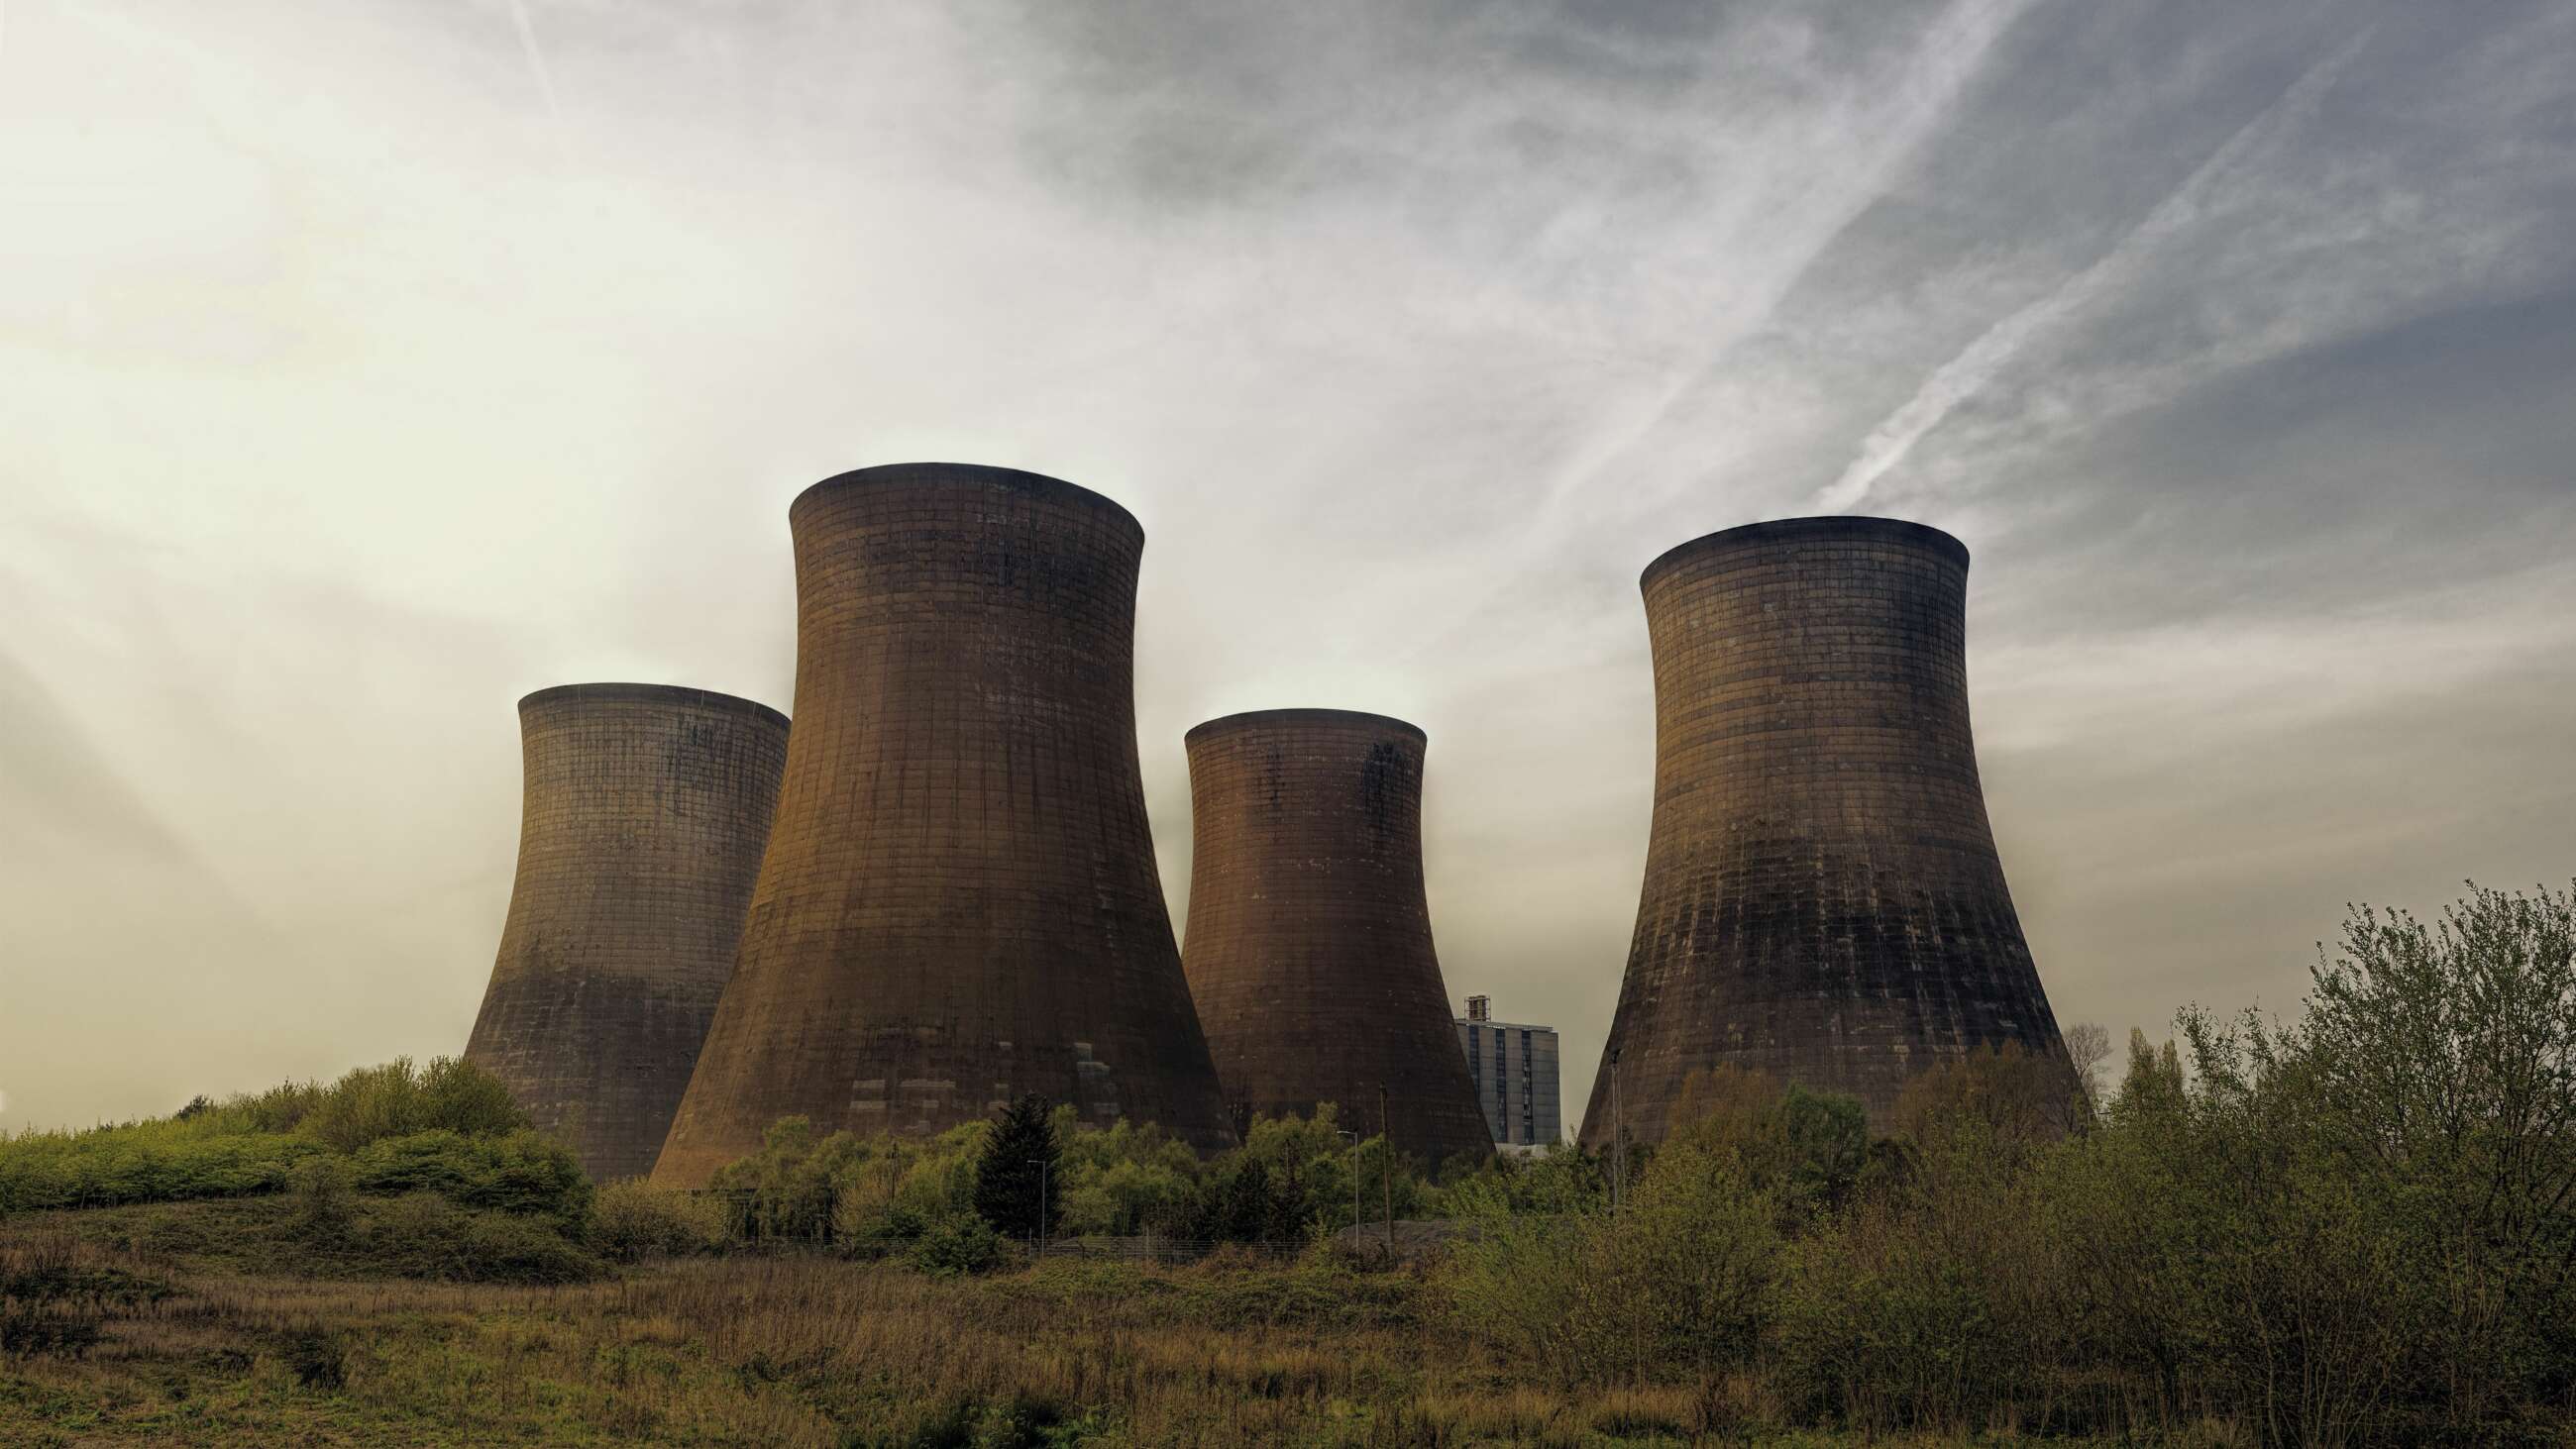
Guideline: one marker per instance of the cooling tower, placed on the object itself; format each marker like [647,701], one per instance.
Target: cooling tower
[640,833]
[959,904]
[1822,900]
[1309,946]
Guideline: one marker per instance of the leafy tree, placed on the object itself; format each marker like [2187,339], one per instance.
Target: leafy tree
[1017,1176]
[1804,1150]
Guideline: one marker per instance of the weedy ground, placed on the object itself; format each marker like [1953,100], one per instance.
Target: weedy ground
[179,1325]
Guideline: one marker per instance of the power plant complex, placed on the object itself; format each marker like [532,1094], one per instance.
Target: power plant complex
[937,893]
[1309,944]
[640,830]
[959,904]
[1822,901]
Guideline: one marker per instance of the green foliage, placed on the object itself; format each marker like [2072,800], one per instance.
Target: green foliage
[519,1173]
[425,1235]
[801,1189]
[397,1100]
[1569,1179]
[1018,1172]
[325,1203]
[1675,1285]
[1291,1179]
[253,1143]
[633,1221]
[959,1244]
[1806,1151]
[420,1235]
[1124,1181]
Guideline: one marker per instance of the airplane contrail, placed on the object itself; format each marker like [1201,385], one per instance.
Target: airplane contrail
[1951,56]
[1968,373]
[536,59]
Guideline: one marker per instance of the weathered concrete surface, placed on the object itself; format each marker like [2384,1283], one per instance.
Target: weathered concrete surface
[1309,945]
[1822,896]
[640,831]
[960,903]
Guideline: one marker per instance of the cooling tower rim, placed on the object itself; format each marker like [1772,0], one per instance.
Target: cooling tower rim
[667,696]
[1035,484]
[1836,527]
[1256,719]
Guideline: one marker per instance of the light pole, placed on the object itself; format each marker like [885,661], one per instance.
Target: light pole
[1355,1172]
[1618,1138]
[1387,1173]
[1040,1164]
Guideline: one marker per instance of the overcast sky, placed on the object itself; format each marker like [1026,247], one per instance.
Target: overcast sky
[366,366]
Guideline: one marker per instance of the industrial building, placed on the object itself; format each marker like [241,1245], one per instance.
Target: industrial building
[644,809]
[1309,945]
[1822,898]
[960,903]
[1513,1068]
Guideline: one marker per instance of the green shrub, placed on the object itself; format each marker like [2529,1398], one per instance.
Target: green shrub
[325,1203]
[520,1173]
[957,1245]
[633,1220]
[250,1144]
[398,1100]
[425,1235]
[1679,1284]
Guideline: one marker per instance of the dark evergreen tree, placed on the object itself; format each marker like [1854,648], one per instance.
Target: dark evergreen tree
[1018,1178]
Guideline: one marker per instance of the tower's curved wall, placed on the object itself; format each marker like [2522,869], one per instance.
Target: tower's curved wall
[640,831]
[1822,899]
[959,904]
[1309,945]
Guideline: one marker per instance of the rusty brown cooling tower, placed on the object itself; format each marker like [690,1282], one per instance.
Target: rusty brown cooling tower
[960,903]
[1309,946]
[640,833]
[1822,901]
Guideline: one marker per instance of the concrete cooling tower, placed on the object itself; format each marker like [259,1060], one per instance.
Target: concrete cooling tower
[1309,946]
[959,905]
[640,833]
[1822,900]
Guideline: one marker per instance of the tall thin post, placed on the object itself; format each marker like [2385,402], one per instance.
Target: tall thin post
[1355,1176]
[1618,1139]
[1040,1164]
[1387,1172]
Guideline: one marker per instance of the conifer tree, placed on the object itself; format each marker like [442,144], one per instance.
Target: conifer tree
[1018,1178]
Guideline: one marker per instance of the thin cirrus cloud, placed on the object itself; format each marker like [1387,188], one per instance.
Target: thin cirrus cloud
[364,369]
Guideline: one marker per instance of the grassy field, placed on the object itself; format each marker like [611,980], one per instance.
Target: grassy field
[207,1336]
[2268,1234]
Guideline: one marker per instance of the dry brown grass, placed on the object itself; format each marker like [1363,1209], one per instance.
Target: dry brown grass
[789,1351]
[799,1350]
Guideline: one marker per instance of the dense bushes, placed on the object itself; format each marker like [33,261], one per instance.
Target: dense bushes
[252,1143]
[633,1220]
[956,1245]
[1290,1182]
[520,1172]
[418,1172]
[2360,1226]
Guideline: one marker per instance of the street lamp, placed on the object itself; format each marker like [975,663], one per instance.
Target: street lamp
[1388,1174]
[1618,1138]
[1040,1164]
[1355,1172]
